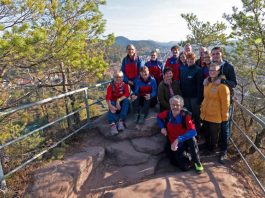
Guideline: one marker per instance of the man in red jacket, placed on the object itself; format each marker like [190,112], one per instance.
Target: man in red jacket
[177,125]
[173,62]
[118,102]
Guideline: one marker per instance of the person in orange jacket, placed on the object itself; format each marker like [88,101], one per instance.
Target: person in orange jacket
[214,108]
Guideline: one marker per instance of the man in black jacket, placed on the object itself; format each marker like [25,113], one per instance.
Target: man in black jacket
[228,77]
[191,79]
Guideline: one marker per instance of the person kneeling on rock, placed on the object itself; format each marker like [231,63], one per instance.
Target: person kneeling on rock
[177,125]
[118,102]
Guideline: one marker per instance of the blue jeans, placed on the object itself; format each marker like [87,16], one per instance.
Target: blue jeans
[119,115]
[226,130]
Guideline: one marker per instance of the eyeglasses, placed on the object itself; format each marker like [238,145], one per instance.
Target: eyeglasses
[118,77]
[213,70]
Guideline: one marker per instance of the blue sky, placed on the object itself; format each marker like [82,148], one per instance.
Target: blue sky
[160,20]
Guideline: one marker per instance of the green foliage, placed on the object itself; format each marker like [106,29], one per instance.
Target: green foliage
[43,34]
[58,152]
[37,37]
[249,30]
[205,33]
[248,56]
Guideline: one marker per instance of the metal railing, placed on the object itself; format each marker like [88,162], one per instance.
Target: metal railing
[242,133]
[3,175]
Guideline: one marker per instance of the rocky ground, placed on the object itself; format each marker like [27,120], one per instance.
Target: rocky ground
[133,164]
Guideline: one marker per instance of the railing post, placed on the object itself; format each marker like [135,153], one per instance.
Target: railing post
[87,107]
[2,178]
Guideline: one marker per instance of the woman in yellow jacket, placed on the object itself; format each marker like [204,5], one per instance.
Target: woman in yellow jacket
[214,108]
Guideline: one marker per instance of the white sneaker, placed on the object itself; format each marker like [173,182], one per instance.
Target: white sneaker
[113,129]
[121,126]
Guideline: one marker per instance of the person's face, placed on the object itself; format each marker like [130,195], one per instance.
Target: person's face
[207,59]
[187,48]
[190,61]
[217,55]
[214,71]
[201,52]
[168,75]
[131,51]
[175,52]
[175,106]
[144,74]
[183,58]
[118,78]
[153,56]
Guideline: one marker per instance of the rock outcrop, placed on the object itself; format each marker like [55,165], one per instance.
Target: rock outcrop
[64,178]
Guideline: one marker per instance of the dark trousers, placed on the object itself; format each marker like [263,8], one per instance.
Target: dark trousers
[226,130]
[211,132]
[194,107]
[141,105]
[185,155]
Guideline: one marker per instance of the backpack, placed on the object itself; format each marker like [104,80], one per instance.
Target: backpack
[113,87]
[184,112]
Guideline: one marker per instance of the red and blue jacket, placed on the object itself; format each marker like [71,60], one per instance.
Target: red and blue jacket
[174,126]
[155,69]
[131,68]
[145,87]
[115,91]
[173,63]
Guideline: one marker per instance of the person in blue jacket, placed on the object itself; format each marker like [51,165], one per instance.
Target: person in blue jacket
[155,67]
[144,96]
[182,61]
[180,131]
[131,65]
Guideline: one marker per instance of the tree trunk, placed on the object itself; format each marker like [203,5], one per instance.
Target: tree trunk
[64,91]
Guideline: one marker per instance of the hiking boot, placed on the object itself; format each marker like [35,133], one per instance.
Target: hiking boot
[142,119]
[198,167]
[223,157]
[121,126]
[113,129]
[136,118]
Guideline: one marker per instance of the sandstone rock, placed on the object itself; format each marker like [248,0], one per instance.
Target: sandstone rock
[216,181]
[153,145]
[123,154]
[61,179]
[134,173]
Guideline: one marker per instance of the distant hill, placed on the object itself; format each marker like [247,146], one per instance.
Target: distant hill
[144,44]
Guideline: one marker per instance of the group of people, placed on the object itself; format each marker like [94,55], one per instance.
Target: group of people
[194,96]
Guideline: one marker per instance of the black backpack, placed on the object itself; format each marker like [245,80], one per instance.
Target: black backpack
[184,112]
